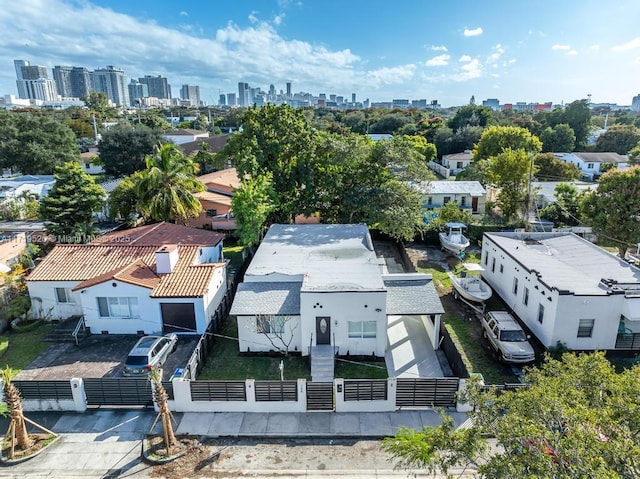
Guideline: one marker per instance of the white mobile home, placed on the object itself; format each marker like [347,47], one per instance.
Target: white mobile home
[565,289]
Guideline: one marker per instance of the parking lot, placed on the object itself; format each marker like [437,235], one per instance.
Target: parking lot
[99,356]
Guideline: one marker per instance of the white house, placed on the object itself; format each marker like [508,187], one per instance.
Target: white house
[91,163]
[38,185]
[589,163]
[185,135]
[469,195]
[313,285]
[545,191]
[152,279]
[565,289]
[456,162]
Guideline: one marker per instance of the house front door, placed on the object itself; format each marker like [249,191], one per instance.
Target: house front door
[323,330]
[474,204]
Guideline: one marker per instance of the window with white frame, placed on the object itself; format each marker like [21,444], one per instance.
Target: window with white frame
[589,166]
[118,307]
[270,324]
[64,295]
[585,328]
[362,329]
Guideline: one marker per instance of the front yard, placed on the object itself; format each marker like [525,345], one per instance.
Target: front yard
[18,350]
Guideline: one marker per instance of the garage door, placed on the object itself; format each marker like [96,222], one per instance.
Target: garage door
[178,317]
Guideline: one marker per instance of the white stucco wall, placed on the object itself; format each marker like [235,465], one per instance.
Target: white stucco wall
[215,293]
[44,302]
[562,313]
[149,321]
[249,339]
[343,307]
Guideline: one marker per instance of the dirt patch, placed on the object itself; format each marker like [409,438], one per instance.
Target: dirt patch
[39,442]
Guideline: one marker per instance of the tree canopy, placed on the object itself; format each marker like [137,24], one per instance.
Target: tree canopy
[559,138]
[35,144]
[124,147]
[252,204]
[619,138]
[576,417]
[551,168]
[496,139]
[165,188]
[70,205]
[613,208]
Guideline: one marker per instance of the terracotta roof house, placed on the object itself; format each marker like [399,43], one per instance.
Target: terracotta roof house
[216,200]
[149,280]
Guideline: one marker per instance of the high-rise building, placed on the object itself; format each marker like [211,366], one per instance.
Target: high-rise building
[33,82]
[222,100]
[288,89]
[137,90]
[231,99]
[80,82]
[353,98]
[635,103]
[191,93]
[112,81]
[158,86]
[243,94]
[62,77]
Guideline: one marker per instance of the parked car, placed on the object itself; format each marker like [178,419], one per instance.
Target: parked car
[507,338]
[148,352]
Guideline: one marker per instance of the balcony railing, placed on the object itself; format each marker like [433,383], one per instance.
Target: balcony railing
[629,341]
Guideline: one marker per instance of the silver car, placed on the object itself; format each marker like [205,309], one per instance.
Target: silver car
[507,338]
[149,352]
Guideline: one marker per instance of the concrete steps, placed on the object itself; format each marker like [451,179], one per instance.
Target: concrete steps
[63,332]
[322,363]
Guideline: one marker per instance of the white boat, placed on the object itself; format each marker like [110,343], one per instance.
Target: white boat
[469,285]
[453,240]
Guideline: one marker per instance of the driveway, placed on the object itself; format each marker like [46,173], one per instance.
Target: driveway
[409,352]
[99,356]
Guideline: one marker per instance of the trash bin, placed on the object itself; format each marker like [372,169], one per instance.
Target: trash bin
[177,374]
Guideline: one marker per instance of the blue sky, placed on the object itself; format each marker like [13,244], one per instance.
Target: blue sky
[532,51]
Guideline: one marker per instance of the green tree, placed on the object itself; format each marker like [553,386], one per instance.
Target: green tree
[566,209]
[471,115]
[124,147]
[619,138]
[575,418]
[252,204]
[123,200]
[389,123]
[509,172]
[70,205]
[277,140]
[209,161]
[578,116]
[449,213]
[551,168]
[166,187]
[35,144]
[559,138]
[496,139]
[612,210]
[98,103]
[154,120]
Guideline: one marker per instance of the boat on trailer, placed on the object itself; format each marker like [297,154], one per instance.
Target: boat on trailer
[453,240]
[468,284]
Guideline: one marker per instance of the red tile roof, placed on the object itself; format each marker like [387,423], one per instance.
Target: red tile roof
[160,234]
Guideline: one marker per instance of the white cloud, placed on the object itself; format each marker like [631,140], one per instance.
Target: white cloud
[439,61]
[184,14]
[595,48]
[498,51]
[253,18]
[439,48]
[464,58]
[469,71]
[277,20]
[631,45]
[472,32]
[391,75]
[561,47]
[571,53]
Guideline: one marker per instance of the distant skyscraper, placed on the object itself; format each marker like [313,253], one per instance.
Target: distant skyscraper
[158,86]
[62,77]
[191,93]
[112,81]
[353,98]
[231,99]
[137,90]
[222,100]
[635,103]
[80,82]
[288,89]
[243,94]
[33,82]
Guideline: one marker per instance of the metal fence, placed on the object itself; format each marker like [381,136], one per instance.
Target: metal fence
[365,390]
[218,390]
[427,392]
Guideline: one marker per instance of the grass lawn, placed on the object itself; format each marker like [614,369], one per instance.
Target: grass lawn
[18,350]
[354,369]
[234,254]
[226,363]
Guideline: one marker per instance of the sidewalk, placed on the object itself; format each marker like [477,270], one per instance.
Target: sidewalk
[106,443]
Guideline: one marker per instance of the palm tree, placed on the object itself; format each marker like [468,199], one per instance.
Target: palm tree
[17,432]
[166,187]
[161,398]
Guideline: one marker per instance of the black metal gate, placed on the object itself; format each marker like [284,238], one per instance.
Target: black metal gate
[276,390]
[320,396]
[426,392]
[118,391]
[365,390]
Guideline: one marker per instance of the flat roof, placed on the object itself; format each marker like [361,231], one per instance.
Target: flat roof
[473,188]
[328,257]
[566,262]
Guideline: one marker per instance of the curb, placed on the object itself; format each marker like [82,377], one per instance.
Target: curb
[11,462]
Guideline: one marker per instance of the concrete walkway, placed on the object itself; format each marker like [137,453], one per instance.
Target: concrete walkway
[409,353]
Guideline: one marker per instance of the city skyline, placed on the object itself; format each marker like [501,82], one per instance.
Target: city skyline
[537,52]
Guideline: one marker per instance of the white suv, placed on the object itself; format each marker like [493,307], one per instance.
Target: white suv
[507,338]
